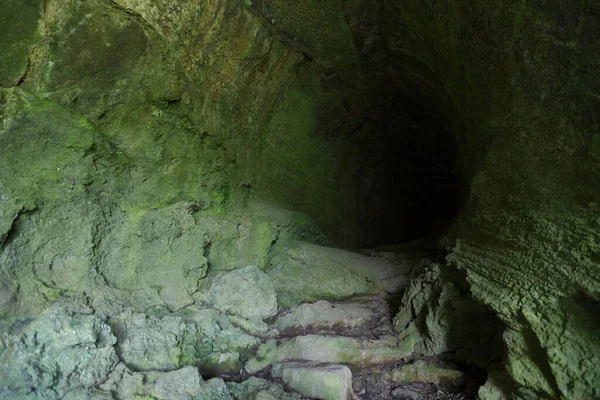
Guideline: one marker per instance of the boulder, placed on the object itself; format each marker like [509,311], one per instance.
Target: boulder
[330,349]
[304,272]
[326,382]
[344,318]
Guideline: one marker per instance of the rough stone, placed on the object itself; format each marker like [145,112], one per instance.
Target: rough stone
[166,252]
[355,352]
[438,313]
[370,318]
[20,22]
[148,343]
[53,354]
[200,337]
[260,389]
[247,292]
[182,384]
[307,273]
[422,372]
[118,109]
[328,382]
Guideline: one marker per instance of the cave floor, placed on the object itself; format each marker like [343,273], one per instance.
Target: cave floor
[327,348]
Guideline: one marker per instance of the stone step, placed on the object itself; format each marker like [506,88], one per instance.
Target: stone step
[316,381]
[354,352]
[304,273]
[364,319]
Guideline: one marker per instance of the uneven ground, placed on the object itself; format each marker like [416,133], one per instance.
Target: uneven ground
[277,199]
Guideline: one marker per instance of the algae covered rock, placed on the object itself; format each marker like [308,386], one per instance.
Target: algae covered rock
[350,319]
[19,21]
[148,343]
[355,352]
[182,384]
[201,337]
[53,354]
[248,244]
[326,382]
[438,313]
[255,388]
[422,372]
[247,292]
[163,252]
[305,272]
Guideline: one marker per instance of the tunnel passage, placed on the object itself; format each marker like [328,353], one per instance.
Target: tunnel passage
[407,184]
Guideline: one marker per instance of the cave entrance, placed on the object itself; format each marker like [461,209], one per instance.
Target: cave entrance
[407,180]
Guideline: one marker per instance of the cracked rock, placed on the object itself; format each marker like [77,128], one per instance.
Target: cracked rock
[247,292]
[54,354]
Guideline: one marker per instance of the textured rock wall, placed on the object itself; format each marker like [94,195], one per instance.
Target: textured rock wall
[515,82]
[121,116]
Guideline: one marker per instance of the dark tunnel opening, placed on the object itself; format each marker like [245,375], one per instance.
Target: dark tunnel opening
[408,182]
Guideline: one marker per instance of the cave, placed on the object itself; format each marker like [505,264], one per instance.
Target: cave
[407,179]
[298,199]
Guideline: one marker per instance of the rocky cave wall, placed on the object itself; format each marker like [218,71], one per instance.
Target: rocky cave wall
[113,110]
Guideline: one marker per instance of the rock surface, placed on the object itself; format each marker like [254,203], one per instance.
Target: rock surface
[421,372]
[143,144]
[200,337]
[54,354]
[246,292]
[438,313]
[328,382]
[323,317]
[260,389]
[304,272]
[355,352]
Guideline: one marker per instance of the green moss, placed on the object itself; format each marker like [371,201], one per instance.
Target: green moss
[19,22]
[96,49]
[45,149]
[313,27]
[595,147]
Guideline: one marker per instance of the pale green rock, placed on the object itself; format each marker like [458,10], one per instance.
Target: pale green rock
[167,251]
[255,388]
[91,394]
[249,245]
[422,372]
[201,337]
[256,327]
[247,292]
[148,343]
[182,384]
[305,272]
[162,253]
[498,385]
[326,382]
[264,395]
[514,83]
[53,354]
[355,352]
[214,389]
[211,341]
[410,336]
[325,316]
